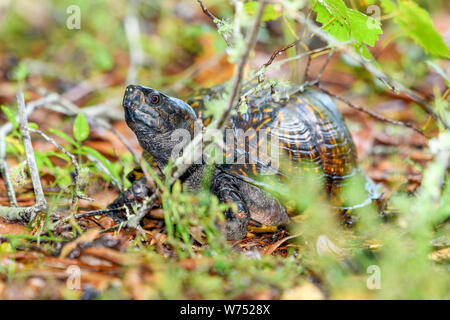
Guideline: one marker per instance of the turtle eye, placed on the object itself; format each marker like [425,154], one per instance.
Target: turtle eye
[154,99]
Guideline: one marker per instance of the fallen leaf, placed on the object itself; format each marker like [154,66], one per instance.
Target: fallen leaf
[88,236]
[9,228]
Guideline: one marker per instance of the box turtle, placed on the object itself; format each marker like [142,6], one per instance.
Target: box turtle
[306,127]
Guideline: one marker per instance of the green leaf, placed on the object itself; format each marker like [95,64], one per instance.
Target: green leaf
[20,72]
[80,128]
[363,29]
[364,52]
[345,24]
[416,23]
[97,155]
[106,163]
[10,116]
[59,155]
[270,11]
[33,125]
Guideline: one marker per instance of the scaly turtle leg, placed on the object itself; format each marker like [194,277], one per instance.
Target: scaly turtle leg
[226,188]
[138,191]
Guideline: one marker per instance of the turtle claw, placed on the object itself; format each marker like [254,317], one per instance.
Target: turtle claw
[138,191]
[236,227]
[237,223]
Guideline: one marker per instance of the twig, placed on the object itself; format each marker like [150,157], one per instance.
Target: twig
[237,77]
[27,213]
[86,214]
[76,193]
[278,52]
[283,61]
[134,220]
[181,165]
[206,11]
[18,213]
[105,170]
[4,170]
[122,139]
[216,21]
[369,112]
[308,65]
[319,75]
[34,173]
[4,131]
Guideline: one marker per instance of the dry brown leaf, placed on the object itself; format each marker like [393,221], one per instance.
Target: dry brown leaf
[9,228]
[133,283]
[270,249]
[110,255]
[88,236]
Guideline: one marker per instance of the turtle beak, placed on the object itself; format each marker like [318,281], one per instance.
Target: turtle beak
[131,99]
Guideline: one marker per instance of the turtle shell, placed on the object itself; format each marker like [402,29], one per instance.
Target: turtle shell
[306,128]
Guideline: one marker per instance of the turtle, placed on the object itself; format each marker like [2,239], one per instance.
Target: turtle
[304,125]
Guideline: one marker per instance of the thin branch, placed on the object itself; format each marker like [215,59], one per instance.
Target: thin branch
[105,170]
[85,214]
[206,11]
[308,65]
[122,139]
[27,213]
[181,165]
[278,52]
[34,173]
[134,220]
[4,131]
[369,112]
[237,77]
[4,171]
[319,75]
[216,21]
[76,193]
[262,70]
[24,214]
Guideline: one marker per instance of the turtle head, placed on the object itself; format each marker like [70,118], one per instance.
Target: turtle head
[157,119]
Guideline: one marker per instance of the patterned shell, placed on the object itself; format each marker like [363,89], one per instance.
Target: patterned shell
[307,128]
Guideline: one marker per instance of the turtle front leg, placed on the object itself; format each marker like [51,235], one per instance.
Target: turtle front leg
[138,191]
[226,188]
